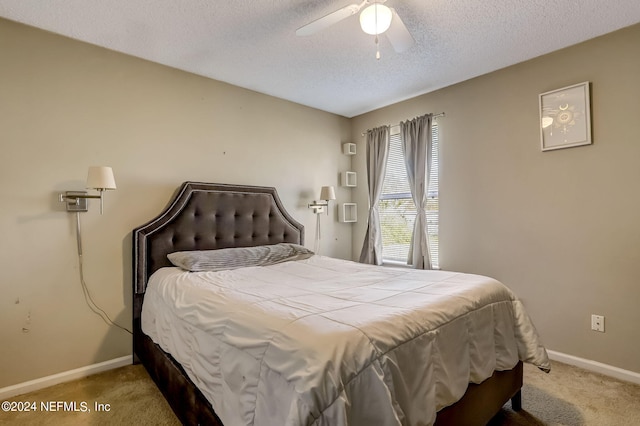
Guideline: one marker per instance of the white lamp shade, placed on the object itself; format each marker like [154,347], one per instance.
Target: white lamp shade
[100,177]
[375,19]
[327,193]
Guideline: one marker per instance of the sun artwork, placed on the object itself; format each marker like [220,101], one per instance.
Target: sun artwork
[563,117]
[566,117]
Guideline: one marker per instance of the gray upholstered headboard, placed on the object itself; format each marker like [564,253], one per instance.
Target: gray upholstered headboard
[208,216]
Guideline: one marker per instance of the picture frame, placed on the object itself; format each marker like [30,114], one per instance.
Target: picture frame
[565,117]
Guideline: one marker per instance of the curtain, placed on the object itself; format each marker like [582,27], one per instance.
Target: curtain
[417,150]
[377,153]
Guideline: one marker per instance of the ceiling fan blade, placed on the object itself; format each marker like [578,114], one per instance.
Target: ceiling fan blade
[328,20]
[398,35]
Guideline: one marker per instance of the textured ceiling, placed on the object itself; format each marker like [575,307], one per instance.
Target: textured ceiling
[252,43]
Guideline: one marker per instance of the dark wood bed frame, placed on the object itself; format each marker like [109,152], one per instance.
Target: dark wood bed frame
[208,216]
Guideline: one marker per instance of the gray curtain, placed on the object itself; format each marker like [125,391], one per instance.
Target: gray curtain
[377,153]
[417,150]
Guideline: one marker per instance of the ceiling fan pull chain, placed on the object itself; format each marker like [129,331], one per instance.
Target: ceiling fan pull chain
[377,48]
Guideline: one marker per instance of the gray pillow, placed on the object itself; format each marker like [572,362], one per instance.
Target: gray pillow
[238,257]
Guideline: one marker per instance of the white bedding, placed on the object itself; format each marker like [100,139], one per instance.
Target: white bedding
[330,342]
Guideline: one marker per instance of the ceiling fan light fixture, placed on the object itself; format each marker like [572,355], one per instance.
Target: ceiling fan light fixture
[375,19]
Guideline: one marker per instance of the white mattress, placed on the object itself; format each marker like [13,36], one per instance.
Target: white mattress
[330,342]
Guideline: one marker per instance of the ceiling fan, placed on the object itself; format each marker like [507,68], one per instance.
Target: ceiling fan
[375,19]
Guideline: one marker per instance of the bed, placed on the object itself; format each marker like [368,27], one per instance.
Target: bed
[205,216]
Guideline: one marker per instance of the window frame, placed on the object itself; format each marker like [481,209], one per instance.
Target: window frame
[432,193]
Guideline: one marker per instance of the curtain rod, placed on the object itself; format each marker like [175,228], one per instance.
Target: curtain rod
[394,125]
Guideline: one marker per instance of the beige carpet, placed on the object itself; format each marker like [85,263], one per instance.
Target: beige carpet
[132,396]
[566,396]
[573,396]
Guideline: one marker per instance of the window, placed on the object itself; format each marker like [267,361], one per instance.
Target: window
[397,211]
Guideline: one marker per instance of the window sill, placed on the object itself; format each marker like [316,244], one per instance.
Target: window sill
[395,264]
[398,264]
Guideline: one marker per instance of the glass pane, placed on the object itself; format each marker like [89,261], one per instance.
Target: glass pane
[397,212]
[397,217]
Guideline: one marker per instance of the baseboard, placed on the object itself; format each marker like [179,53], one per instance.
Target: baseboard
[596,367]
[65,376]
[41,383]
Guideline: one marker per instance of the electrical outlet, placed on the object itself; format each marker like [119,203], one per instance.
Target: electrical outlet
[597,323]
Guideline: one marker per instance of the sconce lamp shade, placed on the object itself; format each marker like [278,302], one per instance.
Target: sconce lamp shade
[327,193]
[100,178]
[375,19]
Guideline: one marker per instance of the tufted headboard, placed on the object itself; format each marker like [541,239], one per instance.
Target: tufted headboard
[208,216]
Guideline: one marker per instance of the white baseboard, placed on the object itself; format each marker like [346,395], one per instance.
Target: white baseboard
[33,385]
[65,376]
[596,367]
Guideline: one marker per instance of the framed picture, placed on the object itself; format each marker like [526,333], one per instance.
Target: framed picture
[565,117]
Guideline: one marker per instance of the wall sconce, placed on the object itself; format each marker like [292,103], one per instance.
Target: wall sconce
[98,178]
[326,193]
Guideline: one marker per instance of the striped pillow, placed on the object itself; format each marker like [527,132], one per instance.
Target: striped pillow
[237,257]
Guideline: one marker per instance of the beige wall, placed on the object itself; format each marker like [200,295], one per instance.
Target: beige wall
[66,105]
[561,228]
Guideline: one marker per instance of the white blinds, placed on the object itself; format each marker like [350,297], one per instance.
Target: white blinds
[397,211]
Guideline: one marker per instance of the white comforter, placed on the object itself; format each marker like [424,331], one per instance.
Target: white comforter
[330,342]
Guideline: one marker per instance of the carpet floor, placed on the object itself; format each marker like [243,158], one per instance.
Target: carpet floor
[128,396]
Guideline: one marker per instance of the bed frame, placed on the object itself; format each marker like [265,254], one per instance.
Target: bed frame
[208,216]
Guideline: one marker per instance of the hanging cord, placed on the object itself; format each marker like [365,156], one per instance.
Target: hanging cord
[375,5]
[87,296]
[316,249]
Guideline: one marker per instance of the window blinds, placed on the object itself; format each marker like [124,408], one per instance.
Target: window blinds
[396,207]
